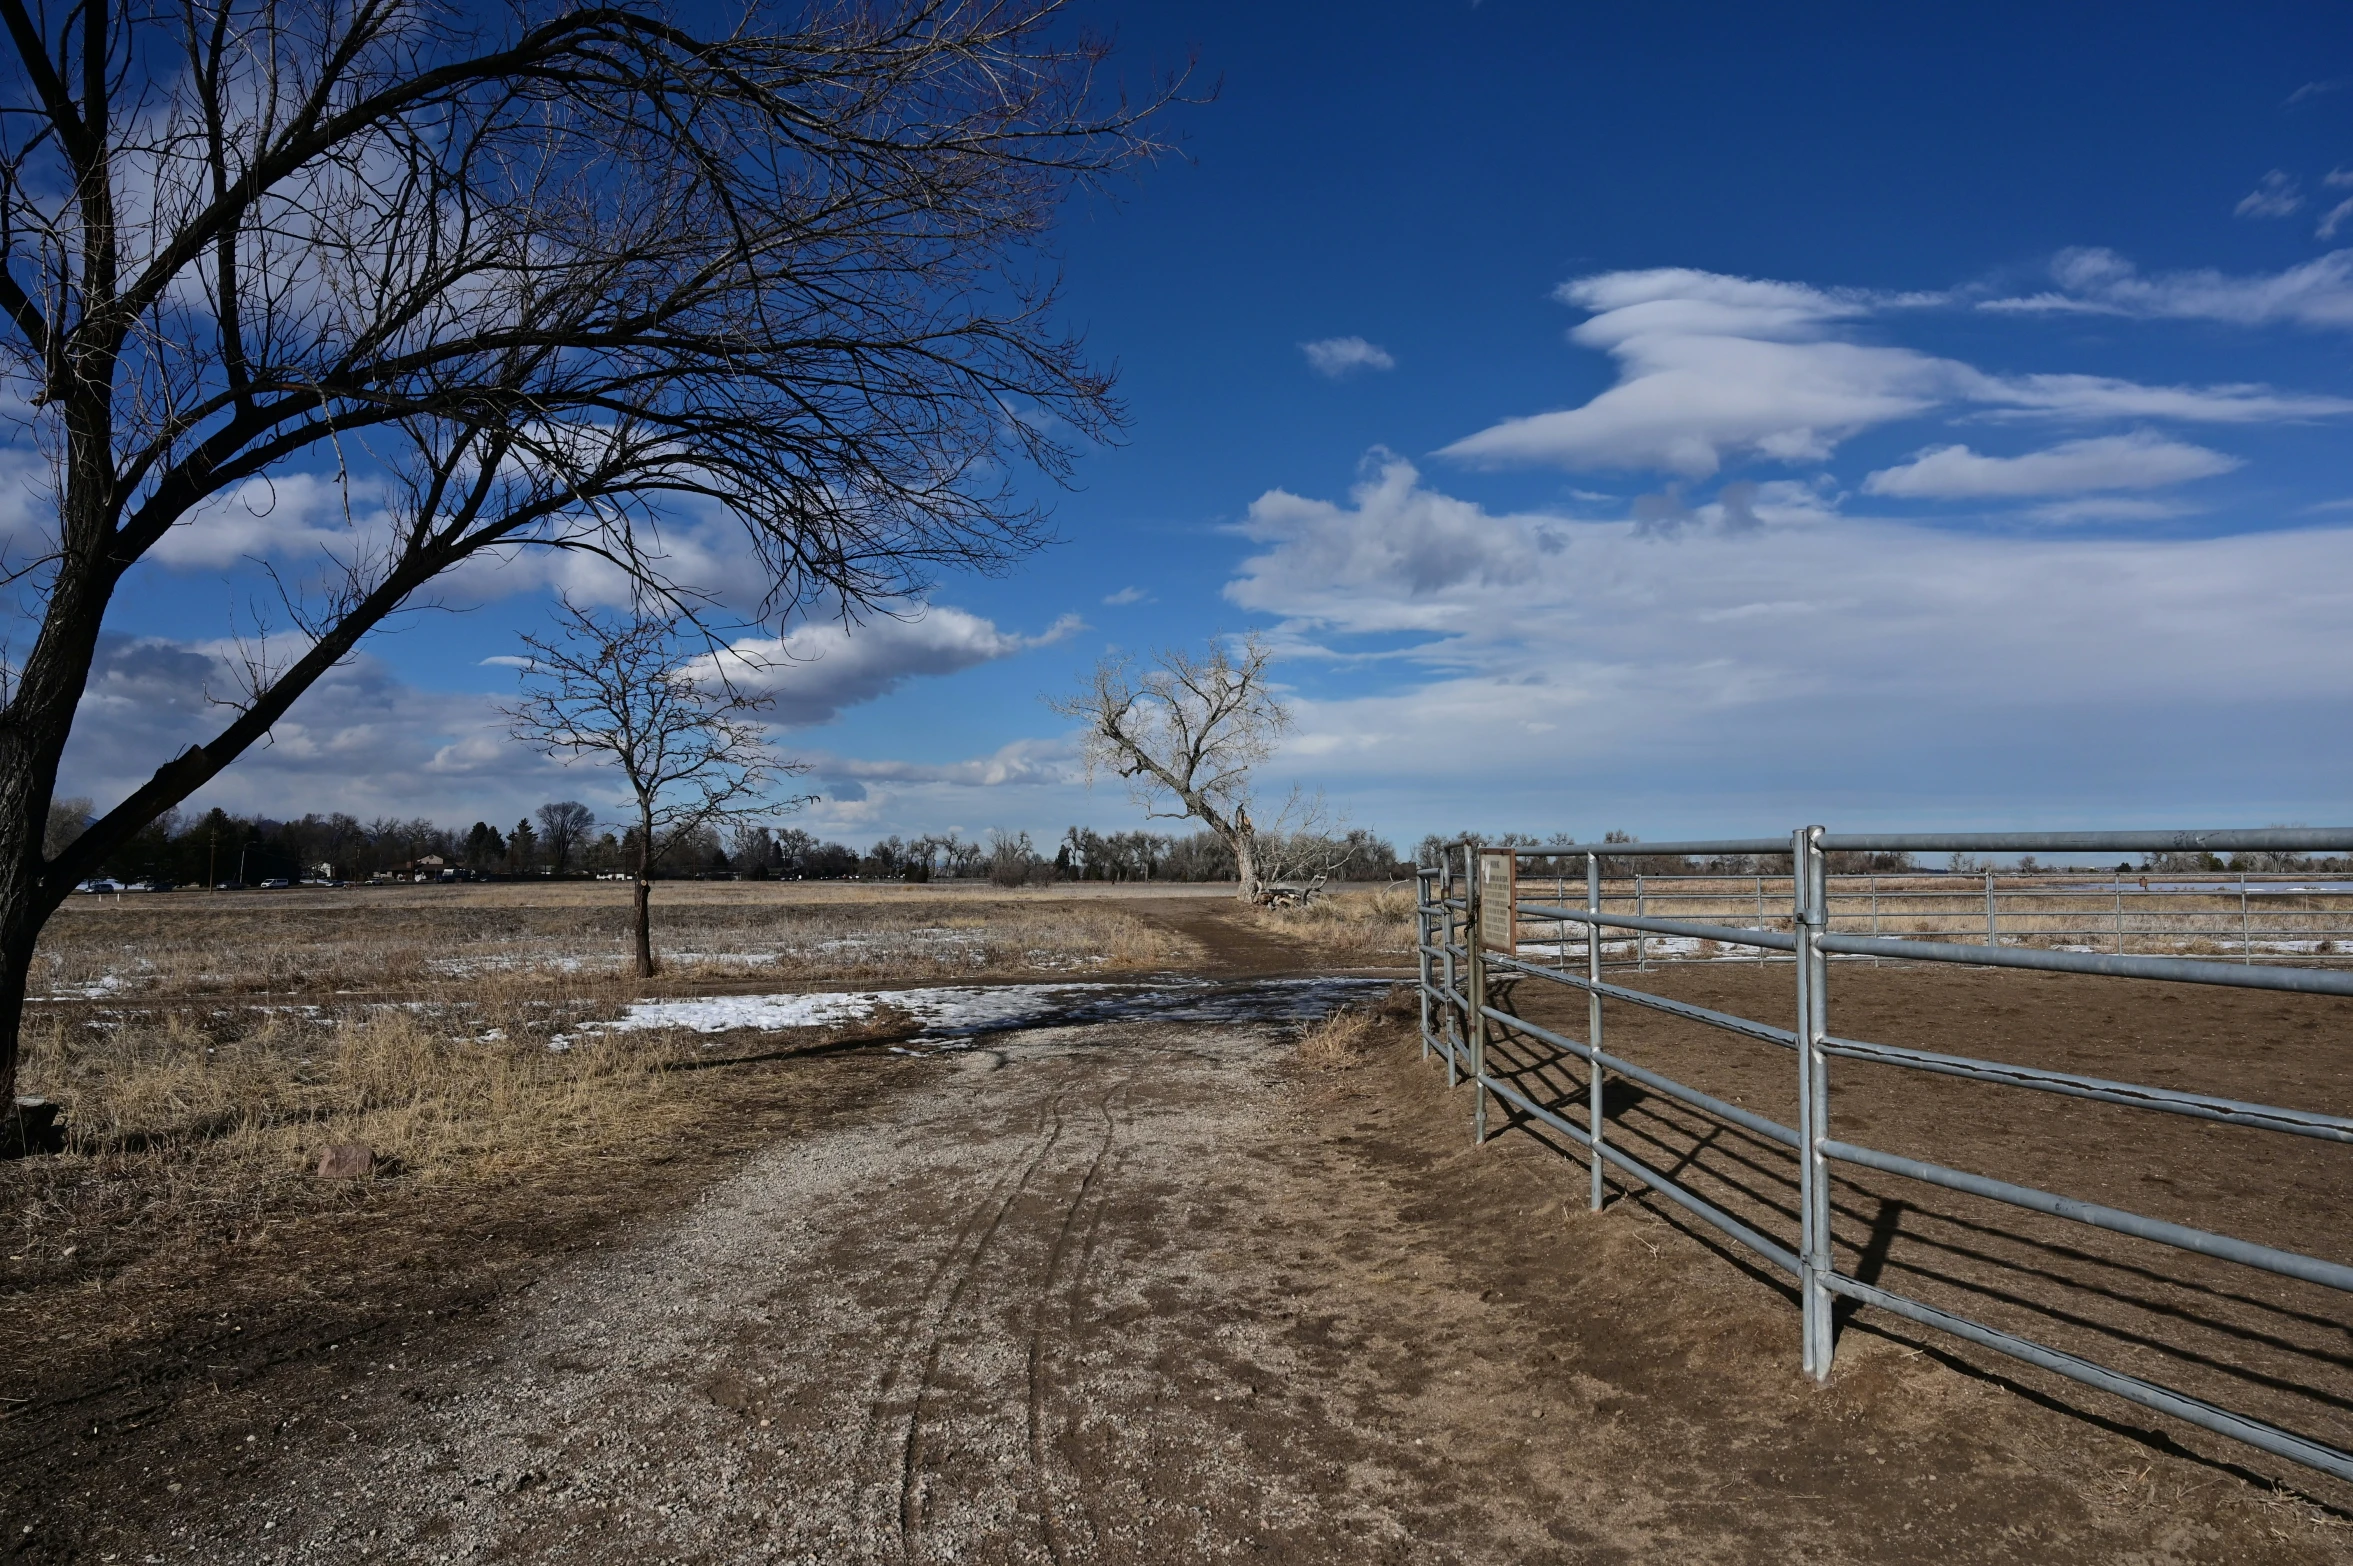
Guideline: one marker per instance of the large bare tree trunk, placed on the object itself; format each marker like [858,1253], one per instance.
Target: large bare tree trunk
[38,717]
[17,938]
[1245,841]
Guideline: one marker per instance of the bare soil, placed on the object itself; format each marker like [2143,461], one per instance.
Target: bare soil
[1164,1291]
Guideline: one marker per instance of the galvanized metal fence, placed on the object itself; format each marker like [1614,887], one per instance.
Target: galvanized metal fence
[1475,907]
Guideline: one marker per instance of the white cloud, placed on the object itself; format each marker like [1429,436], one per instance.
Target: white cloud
[1814,655]
[1714,368]
[1406,554]
[2276,195]
[2136,461]
[1025,762]
[1339,356]
[2334,218]
[2107,508]
[816,670]
[362,740]
[2317,293]
[2105,397]
[2311,90]
[1711,366]
[1126,595]
[288,516]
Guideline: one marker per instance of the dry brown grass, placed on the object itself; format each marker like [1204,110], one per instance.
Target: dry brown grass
[426,941]
[196,1127]
[1349,1036]
[206,1048]
[1375,925]
[1340,1040]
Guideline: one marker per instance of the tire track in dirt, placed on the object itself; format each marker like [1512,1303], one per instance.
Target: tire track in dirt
[957,1268]
[1086,1199]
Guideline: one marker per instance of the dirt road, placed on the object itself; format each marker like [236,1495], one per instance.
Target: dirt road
[1133,1290]
[1043,1315]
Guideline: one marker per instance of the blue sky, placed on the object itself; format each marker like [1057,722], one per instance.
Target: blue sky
[1683,418]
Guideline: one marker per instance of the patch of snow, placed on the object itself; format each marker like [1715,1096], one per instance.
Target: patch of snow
[951,1012]
[97,989]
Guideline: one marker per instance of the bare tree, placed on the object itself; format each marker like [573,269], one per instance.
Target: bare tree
[563,827]
[516,277]
[68,819]
[632,691]
[751,849]
[1185,732]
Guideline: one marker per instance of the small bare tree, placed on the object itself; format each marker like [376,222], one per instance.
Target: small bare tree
[632,690]
[1185,732]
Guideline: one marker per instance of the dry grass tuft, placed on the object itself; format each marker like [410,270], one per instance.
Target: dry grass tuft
[1347,1036]
[1340,1040]
[1376,923]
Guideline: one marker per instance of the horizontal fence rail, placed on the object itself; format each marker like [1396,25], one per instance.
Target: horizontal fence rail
[1484,913]
[2256,920]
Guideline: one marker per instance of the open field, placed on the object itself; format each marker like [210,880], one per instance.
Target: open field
[1091,1265]
[452,940]
[2267,918]
[208,1046]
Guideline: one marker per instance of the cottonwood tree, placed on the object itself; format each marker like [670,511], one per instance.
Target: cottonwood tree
[1185,731]
[515,277]
[642,693]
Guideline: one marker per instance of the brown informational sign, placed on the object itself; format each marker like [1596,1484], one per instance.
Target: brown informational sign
[1499,894]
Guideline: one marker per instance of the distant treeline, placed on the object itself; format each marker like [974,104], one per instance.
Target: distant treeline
[564,837]
[1842,862]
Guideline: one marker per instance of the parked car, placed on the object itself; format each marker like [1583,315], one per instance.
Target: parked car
[99,884]
[276,883]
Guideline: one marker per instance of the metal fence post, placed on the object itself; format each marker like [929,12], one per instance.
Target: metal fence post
[1641,940]
[1993,919]
[2246,924]
[1453,1014]
[1477,946]
[1762,957]
[1810,914]
[1593,1083]
[1560,934]
[2120,919]
[1422,886]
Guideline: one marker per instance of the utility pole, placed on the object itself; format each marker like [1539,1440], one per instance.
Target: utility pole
[212,860]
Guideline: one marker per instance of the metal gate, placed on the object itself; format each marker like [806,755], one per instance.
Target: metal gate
[1471,912]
